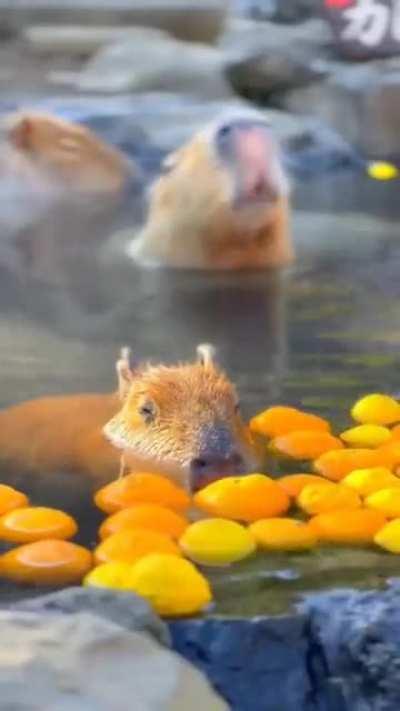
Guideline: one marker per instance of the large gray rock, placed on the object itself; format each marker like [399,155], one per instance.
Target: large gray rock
[361,102]
[193,20]
[84,663]
[123,608]
[150,60]
[356,636]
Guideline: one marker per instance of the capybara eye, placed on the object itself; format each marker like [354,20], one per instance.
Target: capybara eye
[148,411]
[224,131]
[237,408]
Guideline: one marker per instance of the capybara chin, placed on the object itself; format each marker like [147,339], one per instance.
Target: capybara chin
[182,421]
[46,153]
[223,202]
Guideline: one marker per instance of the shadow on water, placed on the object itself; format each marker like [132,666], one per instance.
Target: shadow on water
[316,336]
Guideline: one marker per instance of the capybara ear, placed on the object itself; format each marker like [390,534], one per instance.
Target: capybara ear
[205,354]
[19,131]
[125,373]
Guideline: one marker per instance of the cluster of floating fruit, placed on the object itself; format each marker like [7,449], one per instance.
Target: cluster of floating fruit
[149,545]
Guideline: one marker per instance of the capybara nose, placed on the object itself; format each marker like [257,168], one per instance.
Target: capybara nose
[206,469]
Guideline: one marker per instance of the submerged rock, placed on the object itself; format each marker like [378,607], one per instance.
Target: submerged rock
[82,662]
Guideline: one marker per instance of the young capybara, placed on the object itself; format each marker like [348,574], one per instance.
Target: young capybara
[223,202]
[182,421]
[47,153]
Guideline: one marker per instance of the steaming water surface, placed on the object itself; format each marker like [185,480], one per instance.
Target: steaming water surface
[316,336]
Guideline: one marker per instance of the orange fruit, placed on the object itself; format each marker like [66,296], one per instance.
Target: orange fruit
[319,498]
[141,488]
[49,562]
[294,483]
[216,541]
[245,498]
[151,516]
[283,534]
[129,545]
[11,498]
[172,586]
[305,444]
[279,420]
[356,527]
[35,523]
[338,463]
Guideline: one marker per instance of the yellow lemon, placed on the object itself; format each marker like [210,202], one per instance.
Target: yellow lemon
[385,500]
[216,541]
[109,575]
[173,586]
[367,481]
[283,534]
[388,537]
[380,170]
[319,498]
[376,409]
[366,436]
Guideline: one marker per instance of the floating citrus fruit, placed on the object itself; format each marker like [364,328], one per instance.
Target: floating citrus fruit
[376,409]
[141,488]
[35,523]
[49,562]
[305,444]
[11,499]
[366,436]
[277,421]
[283,534]
[388,537]
[357,527]
[245,498]
[109,575]
[151,516]
[367,481]
[337,464]
[385,500]
[216,541]
[319,498]
[128,545]
[381,170]
[294,483]
[173,586]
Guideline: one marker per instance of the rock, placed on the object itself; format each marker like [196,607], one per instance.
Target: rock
[361,102]
[192,20]
[261,73]
[257,663]
[127,610]
[81,662]
[279,10]
[152,61]
[357,636]
[308,41]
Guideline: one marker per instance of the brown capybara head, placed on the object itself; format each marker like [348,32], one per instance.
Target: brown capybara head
[248,177]
[66,152]
[181,420]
